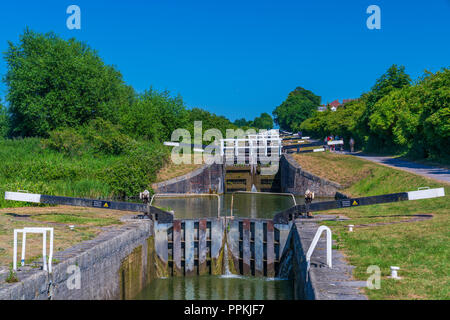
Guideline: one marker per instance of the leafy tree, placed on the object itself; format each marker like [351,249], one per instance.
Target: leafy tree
[403,118]
[394,78]
[4,121]
[264,121]
[154,116]
[242,122]
[299,106]
[209,121]
[54,83]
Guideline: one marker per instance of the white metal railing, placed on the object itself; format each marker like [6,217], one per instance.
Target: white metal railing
[314,244]
[188,195]
[42,231]
[264,193]
[256,144]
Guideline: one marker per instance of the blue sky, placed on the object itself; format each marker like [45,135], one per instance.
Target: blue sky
[241,58]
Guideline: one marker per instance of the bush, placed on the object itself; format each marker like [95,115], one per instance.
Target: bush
[67,141]
[105,137]
[132,174]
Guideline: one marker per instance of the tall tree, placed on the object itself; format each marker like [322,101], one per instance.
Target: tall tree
[4,121]
[394,78]
[264,121]
[54,83]
[299,106]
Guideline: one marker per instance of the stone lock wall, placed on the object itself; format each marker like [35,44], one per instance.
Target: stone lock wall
[115,265]
[296,180]
[207,179]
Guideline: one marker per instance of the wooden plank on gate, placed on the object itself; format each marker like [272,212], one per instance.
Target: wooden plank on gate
[216,246]
[259,248]
[246,247]
[270,250]
[284,230]
[177,271]
[233,245]
[189,249]
[202,247]
[161,248]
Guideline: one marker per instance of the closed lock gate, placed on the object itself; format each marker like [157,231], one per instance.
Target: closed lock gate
[197,246]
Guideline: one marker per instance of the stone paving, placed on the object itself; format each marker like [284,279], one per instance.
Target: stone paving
[336,283]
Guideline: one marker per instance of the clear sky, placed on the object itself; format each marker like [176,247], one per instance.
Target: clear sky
[241,58]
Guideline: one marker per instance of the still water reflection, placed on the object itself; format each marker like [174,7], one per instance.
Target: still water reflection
[217,288]
[245,205]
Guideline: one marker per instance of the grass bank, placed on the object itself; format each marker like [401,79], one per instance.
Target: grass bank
[88,224]
[421,249]
[27,164]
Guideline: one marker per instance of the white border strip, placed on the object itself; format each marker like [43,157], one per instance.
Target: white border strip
[19,196]
[426,194]
[172,144]
[319,150]
[330,143]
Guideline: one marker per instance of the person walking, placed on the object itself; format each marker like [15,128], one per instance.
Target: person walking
[352,145]
[309,197]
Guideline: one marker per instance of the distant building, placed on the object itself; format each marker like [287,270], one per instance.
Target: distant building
[322,108]
[333,105]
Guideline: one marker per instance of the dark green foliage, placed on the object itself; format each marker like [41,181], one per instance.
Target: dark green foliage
[242,123]
[154,116]
[66,140]
[4,121]
[54,83]
[105,137]
[130,175]
[299,106]
[99,136]
[395,116]
[209,121]
[264,121]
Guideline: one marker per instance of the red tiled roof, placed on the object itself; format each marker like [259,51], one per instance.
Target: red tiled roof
[335,103]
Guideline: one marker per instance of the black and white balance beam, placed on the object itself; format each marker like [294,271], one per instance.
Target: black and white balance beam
[286,215]
[161,215]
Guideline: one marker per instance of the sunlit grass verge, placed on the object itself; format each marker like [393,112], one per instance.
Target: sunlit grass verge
[421,249]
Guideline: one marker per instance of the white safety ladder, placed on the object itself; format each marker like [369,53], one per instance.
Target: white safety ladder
[314,244]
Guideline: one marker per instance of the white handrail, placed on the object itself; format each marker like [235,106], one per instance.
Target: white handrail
[188,195]
[42,231]
[314,244]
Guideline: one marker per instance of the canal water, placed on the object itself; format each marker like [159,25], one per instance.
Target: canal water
[249,205]
[228,286]
[217,288]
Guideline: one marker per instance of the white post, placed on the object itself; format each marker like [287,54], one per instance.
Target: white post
[50,256]
[44,250]
[394,274]
[24,241]
[15,251]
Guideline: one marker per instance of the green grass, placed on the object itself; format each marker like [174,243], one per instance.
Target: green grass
[421,249]
[75,219]
[25,164]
